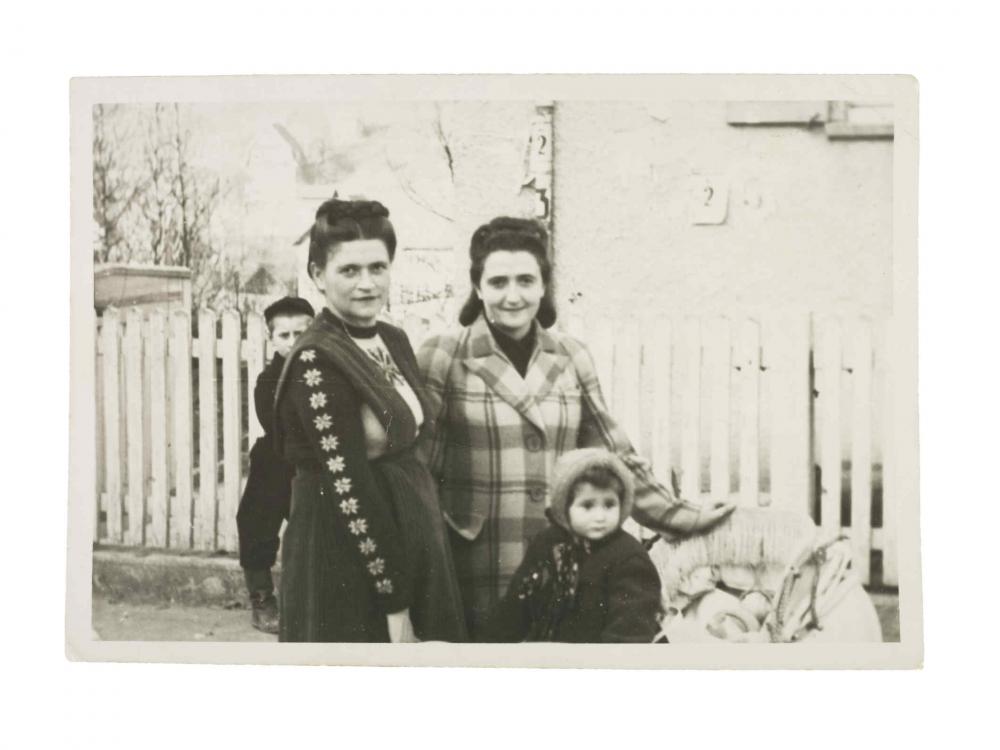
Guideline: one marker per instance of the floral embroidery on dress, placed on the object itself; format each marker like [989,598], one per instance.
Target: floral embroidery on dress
[342,486]
[384,586]
[358,526]
[367,547]
[377,566]
[329,442]
[323,422]
[308,355]
[317,400]
[335,464]
[349,506]
[312,377]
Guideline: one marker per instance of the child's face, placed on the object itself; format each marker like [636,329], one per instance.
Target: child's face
[285,329]
[594,512]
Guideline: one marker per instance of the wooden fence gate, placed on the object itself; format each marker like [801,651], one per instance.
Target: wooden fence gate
[784,410]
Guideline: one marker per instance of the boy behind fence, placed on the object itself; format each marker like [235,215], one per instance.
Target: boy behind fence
[265,500]
[584,579]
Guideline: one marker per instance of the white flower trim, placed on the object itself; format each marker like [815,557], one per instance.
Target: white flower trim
[323,422]
[335,464]
[342,486]
[329,442]
[384,586]
[317,400]
[377,566]
[312,377]
[368,546]
[349,507]
[308,355]
[358,526]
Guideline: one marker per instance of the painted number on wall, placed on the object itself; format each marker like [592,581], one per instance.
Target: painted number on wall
[708,200]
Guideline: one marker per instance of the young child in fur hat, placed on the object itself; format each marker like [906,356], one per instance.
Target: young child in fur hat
[583,579]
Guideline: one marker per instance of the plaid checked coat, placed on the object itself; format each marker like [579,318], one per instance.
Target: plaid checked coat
[495,437]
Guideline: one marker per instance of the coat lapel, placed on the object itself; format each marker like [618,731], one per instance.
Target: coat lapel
[545,367]
[484,358]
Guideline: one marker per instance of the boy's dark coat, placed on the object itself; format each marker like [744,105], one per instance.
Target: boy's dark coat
[267,494]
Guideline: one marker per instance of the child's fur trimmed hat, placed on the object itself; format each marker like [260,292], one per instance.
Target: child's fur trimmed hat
[569,468]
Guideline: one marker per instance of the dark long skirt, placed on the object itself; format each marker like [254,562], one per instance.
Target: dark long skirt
[326,594]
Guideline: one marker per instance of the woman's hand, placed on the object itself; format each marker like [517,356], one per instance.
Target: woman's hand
[712,512]
[400,627]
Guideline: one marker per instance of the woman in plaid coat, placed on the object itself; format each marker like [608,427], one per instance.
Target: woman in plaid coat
[509,397]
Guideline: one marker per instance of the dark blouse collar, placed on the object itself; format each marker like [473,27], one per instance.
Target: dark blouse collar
[518,351]
[357,332]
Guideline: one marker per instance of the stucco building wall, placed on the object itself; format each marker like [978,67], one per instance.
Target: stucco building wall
[808,225]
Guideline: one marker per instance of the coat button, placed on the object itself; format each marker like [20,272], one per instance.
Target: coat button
[537,494]
[533,443]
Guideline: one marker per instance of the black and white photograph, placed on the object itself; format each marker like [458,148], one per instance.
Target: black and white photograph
[609,371]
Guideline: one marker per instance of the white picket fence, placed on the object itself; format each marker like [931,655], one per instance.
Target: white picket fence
[755,408]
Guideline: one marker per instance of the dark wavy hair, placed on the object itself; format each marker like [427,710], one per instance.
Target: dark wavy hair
[344,221]
[508,233]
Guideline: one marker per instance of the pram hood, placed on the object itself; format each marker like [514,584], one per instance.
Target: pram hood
[568,469]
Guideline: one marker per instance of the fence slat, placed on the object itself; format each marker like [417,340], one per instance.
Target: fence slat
[860,363]
[890,465]
[232,416]
[134,428]
[690,357]
[183,447]
[205,509]
[718,364]
[159,471]
[601,342]
[110,332]
[256,329]
[787,344]
[625,380]
[829,364]
[99,428]
[659,365]
[748,361]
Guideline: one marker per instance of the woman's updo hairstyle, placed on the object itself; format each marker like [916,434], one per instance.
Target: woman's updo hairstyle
[508,233]
[344,221]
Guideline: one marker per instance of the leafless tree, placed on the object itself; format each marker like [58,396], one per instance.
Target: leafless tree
[196,197]
[114,191]
[156,201]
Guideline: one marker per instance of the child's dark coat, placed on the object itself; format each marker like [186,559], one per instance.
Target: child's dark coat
[617,593]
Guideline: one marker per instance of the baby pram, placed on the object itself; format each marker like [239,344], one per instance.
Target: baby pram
[763,575]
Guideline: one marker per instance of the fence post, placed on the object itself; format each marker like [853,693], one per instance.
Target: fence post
[601,344]
[748,363]
[134,429]
[180,367]
[231,429]
[159,473]
[208,450]
[860,363]
[659,366]
[828,369]
[787,345]
[99,426]
[896,439]
[625,383]
[255,364]
[110,332]
[718,362]
[690,356]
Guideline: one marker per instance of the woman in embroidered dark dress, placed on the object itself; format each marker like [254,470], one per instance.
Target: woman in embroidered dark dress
[365,556]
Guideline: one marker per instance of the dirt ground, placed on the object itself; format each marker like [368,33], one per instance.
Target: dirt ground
[119,621]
